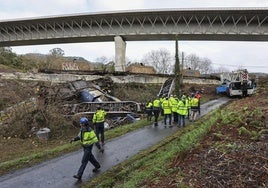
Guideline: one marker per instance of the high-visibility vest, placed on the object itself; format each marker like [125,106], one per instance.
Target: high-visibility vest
[166,106]
[188,102]
[149,105]
[174,104]
[156,103]
[87,137]
[182,108]
[194,102]
[99,116]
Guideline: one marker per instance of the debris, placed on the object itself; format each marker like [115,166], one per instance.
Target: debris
[43,134]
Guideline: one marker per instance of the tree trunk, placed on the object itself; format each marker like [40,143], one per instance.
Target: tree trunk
[177,70]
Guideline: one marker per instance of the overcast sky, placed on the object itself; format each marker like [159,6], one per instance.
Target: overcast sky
[231,55]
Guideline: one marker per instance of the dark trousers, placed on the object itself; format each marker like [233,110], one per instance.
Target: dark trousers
[169,118]
[199,111]
[88,156]
[181,120]
[99,130]
[175,117]
[149,114]
[156,115]
[244,93]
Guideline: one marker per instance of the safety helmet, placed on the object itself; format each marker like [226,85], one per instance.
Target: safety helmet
[83,120]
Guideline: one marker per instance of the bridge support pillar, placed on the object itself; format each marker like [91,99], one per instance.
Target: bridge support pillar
[120,54]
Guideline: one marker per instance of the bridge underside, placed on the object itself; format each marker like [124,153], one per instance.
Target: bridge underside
[156,37]
[237,24]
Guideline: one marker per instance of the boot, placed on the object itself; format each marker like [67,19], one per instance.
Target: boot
[96,169]
[77,177]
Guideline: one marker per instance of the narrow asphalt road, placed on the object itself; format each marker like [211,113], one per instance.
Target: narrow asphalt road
[58,172]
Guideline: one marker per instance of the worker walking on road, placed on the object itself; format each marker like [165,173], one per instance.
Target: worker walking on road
[98,121]
[156,110]
[87,138]
[194,108]
[174,105]
[182,111]
[167,111]
[198,96]
[149,110]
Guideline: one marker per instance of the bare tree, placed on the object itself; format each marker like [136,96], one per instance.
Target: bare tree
[104,63]
[54,58]
[205,66]
[102,59]
[192,61]
[160,60]
[57,52]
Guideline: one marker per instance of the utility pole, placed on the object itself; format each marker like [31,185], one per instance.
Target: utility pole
[177,69]
[181,70]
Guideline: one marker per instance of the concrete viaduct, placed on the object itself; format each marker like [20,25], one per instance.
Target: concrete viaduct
[222,24]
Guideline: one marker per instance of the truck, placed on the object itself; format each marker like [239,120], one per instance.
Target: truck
[236,83]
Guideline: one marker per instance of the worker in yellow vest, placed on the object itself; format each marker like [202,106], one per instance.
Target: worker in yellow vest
[182,111]
[149,110]
[174,105]
[156,110]
[188,104]
[98,122]
[194,108]
[87,138]
[167,111]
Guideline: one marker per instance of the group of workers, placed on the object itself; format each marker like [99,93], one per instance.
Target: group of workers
[88,136]
[170,107]
[174,108]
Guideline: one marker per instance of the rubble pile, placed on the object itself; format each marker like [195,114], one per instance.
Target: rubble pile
[82,97]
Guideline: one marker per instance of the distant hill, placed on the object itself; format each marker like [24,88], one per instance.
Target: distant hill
[69,58]
[35,55]
[80,59]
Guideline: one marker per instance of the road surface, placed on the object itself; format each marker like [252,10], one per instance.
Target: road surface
[58,172]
